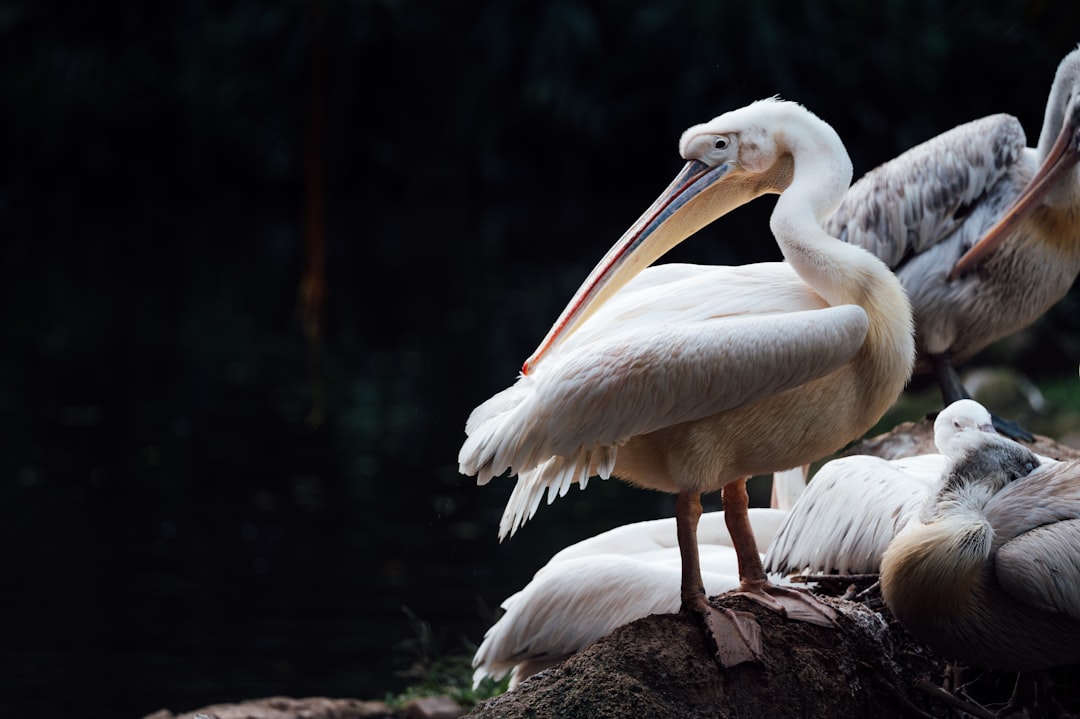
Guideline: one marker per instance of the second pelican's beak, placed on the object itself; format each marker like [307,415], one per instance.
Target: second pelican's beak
[1062,157]
[698,195]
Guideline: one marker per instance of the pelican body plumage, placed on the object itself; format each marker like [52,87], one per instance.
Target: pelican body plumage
[689,379]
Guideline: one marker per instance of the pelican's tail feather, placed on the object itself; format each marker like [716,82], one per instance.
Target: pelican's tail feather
[555,476]
[512,431]
[507,432]
[495,431]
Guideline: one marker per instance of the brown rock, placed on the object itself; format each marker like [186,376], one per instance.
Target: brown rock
[287,708]
[660,667]
[440,707]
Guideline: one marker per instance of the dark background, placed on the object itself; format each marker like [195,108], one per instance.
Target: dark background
[215,487]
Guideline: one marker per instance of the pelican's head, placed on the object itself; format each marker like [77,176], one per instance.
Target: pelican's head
[731,160]
[1059,141]
[761,141]
[980,465]
[1055,183]
[751,139]
[961,415]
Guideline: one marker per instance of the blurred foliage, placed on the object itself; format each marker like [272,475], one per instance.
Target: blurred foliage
[163,496]
[451,676]
[437,672]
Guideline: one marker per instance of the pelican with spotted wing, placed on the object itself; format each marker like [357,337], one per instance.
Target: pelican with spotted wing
[983,231]
[690,379]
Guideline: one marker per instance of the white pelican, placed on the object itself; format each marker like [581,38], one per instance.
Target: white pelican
[983,232]
[690,379]
[590,588]
[854,506]
[989,572]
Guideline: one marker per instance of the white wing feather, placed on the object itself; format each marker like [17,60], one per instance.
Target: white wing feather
[641,537]
[571,604]
[850,511]
[855,506]
[592,587]
[658,354]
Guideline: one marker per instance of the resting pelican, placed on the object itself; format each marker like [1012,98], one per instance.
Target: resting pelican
[689,379]
[989,573]
[853,508]
[983,232]
[590,588]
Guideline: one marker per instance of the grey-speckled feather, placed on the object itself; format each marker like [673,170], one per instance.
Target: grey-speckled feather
[908,205]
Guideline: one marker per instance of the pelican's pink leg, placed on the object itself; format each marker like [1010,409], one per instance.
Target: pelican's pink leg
[736,636]
[792,603]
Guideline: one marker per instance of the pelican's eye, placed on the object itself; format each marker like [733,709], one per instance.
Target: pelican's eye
[1029,467]
[721,143]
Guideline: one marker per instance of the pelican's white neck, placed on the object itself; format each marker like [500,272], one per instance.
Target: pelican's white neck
[840,272]
[822,166]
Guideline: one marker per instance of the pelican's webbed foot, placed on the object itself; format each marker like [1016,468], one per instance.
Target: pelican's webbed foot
[792,603]
[734,636]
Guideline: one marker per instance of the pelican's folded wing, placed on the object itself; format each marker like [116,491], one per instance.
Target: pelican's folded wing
[1041,567]
[922,197]
[656,534]
[647,380]
[850,511]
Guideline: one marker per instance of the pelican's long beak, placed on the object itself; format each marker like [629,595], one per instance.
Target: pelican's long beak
[1062,157]
[665,224]
[698,195]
